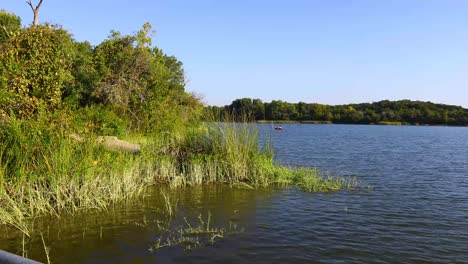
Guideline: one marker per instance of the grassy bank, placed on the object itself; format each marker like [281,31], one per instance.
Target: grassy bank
[45,171]
[388,123]
[277,121]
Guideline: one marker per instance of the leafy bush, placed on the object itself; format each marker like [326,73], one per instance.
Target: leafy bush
[99,120]
[9,24]
[36,66]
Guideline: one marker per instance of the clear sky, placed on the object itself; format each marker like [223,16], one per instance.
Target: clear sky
[325,51]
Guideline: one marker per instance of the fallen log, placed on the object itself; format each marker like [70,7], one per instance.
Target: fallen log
[111,143]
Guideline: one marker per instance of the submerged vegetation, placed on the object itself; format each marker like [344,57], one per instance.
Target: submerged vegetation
[191,236]
[52,87]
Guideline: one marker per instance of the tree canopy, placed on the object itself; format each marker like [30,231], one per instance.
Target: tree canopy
[43,68]
[383,112]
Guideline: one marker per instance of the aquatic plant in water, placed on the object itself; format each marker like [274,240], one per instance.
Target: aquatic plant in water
[193,236]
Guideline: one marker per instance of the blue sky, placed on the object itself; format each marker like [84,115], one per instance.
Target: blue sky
[327,51]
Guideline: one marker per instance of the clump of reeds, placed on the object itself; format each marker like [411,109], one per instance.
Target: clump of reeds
[311,180]
[229,152]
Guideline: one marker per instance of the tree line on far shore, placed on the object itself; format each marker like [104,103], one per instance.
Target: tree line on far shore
[382,112]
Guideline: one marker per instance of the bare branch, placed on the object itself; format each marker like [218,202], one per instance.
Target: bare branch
[30,4]
[6,31]
[35,10]
[38,5]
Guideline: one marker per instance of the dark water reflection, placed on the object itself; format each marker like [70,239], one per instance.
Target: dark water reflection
[417,211]
[124,234]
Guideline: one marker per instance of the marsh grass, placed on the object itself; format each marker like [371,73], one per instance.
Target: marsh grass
[312,181]
[45,172]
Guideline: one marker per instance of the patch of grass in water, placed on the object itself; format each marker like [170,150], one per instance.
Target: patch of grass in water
[311,180]
[193,236]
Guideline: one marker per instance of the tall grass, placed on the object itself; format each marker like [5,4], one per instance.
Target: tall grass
[45,171]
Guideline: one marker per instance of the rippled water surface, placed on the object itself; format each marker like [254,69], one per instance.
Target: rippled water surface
[417,211]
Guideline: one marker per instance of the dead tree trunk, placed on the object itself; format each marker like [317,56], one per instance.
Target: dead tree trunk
[35,11]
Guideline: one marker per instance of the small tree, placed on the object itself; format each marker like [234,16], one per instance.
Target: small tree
[139,82]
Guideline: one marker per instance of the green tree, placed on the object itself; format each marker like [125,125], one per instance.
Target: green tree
[9,24]
[289,112]
[140,82]
[258,109]
[124,71]
[302,111]
[176,75]
[85,76]
[36,64]
[242,107]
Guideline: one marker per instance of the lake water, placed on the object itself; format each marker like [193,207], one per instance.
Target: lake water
[416,212]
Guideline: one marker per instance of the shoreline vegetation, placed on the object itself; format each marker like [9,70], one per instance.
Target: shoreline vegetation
[63,176]
[403,112]
[54,90]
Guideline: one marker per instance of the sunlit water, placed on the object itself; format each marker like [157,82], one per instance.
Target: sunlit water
[417,211]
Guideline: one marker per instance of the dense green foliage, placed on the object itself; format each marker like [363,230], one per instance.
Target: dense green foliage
[136,83]
[36,64]
[9,24]
[383,112]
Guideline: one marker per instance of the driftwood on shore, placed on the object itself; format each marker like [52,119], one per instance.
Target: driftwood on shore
[111,143]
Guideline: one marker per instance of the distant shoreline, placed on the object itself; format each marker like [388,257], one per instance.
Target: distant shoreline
[402,112]
[315,122]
